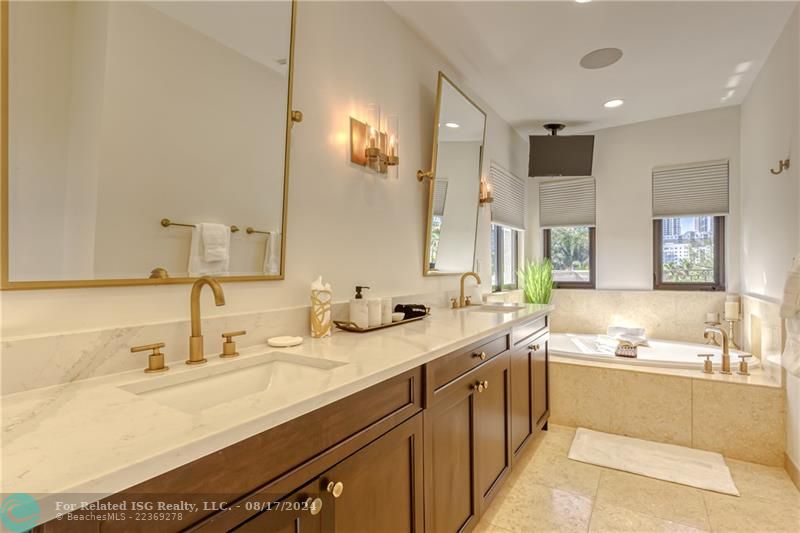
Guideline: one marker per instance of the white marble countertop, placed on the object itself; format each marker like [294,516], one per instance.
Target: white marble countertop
[88,439]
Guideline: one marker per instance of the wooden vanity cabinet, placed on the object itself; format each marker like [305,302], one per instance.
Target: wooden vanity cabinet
[467,446]
[529,395]
[378,488]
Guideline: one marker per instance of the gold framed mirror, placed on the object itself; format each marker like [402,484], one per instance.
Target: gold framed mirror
[459,135]
[144,143]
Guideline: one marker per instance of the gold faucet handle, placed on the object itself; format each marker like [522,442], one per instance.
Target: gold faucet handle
[229,346]
[744,368]
[453,303]
[155,361]
[708,367]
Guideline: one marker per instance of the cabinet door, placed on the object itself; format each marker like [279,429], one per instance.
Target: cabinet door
[451,502]
[379,488]
[492,427]
[521,368]
[300,512]
[541,398]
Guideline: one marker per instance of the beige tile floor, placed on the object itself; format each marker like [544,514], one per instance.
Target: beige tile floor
[549,492]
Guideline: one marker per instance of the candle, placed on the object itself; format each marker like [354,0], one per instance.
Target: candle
[731,310]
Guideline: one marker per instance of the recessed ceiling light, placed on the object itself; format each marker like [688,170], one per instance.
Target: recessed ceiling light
[451,125]
[614,103]
[583,1]
[601,58]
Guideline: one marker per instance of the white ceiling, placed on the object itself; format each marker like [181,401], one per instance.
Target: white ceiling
[257,30]
[522,57]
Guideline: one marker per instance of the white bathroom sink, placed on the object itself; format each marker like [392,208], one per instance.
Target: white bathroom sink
[496,308]
[271,375]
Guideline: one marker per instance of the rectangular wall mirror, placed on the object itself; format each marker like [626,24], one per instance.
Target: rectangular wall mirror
[137,133]
[458,139]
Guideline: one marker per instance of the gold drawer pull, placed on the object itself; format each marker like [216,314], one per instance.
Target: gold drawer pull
[480,386]
[482,355]
[335,488]
[314,505]
[534,347]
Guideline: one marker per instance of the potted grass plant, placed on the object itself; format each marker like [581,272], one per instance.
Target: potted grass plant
[537,281]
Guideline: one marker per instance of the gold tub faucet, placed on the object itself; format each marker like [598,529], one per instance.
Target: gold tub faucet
[196,356]
[709,332]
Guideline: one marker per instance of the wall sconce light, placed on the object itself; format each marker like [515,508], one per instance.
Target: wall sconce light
[485,194]
[372,146]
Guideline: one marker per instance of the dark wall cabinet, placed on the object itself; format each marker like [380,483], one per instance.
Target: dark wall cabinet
[424,451]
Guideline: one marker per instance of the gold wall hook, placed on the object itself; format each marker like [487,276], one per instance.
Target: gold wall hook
[783,164]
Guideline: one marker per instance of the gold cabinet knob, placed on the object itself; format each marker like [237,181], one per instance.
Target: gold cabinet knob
[313,505]
[155,361]
[482,355]
[335,488]
[534,347]
[229,346]
[485,384]
[297,116]
[478,386]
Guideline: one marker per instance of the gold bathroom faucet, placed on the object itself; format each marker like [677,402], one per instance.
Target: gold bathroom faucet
[196,356]
[709,332]
[461,300]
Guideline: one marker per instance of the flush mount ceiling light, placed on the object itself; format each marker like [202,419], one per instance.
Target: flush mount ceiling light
[601,58]
[451,125]
[614,103]
[582,1]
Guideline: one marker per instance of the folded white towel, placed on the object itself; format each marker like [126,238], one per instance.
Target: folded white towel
[199,265]
[216,240]
[615,331]
[272,254]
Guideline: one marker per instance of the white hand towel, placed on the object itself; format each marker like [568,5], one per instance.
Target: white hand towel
[789,310]
[216,241]
[791,292]
[198,265]
[272,254]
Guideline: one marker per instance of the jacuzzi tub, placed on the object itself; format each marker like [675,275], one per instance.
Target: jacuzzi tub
[665,354]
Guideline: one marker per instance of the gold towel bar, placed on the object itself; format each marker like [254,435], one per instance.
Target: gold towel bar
[167,223]
[251,230]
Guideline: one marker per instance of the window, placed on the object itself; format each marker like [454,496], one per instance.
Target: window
[571,249]
[505,243]
[689,253]
[436,232]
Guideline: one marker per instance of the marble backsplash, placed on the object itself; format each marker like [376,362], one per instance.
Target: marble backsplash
[670,315]
[33,362]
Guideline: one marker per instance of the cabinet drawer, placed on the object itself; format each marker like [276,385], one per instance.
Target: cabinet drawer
[523,331]
[445,369]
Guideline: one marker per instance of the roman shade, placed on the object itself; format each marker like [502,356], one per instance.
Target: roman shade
[508,190]
[567,202]
[691,189]
[439,196]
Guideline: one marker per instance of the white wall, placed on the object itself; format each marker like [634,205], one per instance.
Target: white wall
[771,204]
[623,160]
[348,225]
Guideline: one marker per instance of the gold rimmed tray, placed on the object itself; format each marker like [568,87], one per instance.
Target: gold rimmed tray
[346,325]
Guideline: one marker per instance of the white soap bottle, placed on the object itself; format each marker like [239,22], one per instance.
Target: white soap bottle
[359,311]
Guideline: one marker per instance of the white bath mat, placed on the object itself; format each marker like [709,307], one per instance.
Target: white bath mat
[678,464]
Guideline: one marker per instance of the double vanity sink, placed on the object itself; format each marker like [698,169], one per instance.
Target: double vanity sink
[277,420]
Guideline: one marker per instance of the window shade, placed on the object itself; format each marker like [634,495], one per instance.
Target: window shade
[439,196]
[691,189]
[508,190]
[567,203]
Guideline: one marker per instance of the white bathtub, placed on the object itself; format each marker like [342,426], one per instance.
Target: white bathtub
[665,354]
